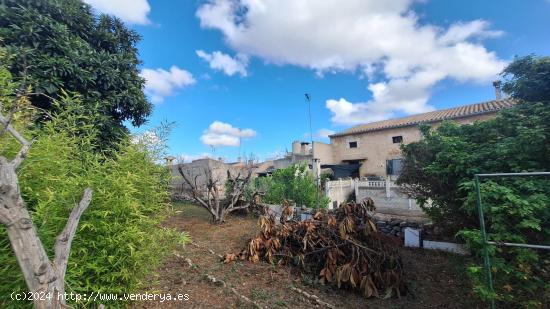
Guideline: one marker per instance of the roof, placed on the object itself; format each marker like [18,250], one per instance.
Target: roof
[430,117]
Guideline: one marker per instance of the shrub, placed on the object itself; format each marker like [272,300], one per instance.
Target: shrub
[294,183]
[119,239]
[441,168]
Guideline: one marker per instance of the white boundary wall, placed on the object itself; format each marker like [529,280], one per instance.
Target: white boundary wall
[385,194]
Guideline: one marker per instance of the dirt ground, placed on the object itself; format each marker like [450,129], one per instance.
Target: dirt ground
[434,279]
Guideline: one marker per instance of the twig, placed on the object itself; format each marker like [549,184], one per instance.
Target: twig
[312,297]
[214,280]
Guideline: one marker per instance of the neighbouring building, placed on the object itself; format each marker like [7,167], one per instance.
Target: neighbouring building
[198,171]
[304,153]
[373,149]
[376,146]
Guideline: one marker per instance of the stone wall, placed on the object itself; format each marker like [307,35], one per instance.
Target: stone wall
[375,147]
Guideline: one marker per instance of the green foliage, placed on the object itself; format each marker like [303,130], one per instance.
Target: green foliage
[440,168]
[119,239]
[528,78]
[59,44]
[294,183]
[325,176]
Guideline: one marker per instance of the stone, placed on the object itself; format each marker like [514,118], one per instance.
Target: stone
[412,237]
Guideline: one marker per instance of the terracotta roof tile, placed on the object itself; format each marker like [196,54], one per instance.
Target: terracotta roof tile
[435,116]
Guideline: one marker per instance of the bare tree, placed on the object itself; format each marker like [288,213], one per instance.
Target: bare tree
[210,196]
[43,277]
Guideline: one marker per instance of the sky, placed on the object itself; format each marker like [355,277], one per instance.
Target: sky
[233,74]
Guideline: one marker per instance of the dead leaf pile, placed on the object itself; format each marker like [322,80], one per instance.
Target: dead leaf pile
[341,247]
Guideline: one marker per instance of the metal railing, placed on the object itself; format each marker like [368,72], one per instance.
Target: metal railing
[486,241]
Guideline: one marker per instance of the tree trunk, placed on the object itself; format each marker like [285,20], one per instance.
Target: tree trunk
[42,277]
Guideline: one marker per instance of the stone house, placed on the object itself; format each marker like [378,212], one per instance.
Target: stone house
[376,146]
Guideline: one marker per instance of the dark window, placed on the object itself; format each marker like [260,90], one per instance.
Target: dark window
[397,139]
[352,144]
[394,167]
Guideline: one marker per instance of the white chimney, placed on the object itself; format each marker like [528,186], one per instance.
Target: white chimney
[498,91]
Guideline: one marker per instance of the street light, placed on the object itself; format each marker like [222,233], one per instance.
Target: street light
[313,163]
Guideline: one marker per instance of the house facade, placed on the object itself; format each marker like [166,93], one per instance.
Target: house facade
[376,146]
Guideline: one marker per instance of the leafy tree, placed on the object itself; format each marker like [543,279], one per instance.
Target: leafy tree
[439,171]
[528,78]
[60,44]
[294,183]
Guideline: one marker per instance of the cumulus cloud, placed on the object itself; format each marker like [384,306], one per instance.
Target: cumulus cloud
[160,83]
[224,134]
[134,12]
[225,63]
[382,40]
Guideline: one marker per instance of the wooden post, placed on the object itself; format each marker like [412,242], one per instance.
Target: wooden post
[356,188]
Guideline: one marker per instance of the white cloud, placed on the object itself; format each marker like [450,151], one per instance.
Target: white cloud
[460,31]
[161,83]
[223,62]
[223,134]
[324,133]
[382,40]
[134,12]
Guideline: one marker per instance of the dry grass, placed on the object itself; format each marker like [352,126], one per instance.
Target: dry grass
[435,280]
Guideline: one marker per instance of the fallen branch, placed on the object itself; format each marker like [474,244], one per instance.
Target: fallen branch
[312,297]
[342,247]
[214,280]
[207,249]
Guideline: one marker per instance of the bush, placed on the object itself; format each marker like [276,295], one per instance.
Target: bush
[294,183]
[119,239]
[441,168]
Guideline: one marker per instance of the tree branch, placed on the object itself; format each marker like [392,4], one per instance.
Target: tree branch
[13,132]
[22,140]
[21,155]
[194,189]
[64,240]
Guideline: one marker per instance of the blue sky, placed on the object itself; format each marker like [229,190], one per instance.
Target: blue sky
[236,70]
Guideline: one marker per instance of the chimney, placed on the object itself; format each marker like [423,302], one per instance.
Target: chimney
[498,92]
[303,150]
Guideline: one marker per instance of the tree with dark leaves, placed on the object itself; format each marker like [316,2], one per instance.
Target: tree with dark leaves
[61,45]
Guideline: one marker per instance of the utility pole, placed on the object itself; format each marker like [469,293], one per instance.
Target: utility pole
[313,163]
[240,143]
[308,99]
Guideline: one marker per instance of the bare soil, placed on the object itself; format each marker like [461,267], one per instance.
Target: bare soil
[434,279]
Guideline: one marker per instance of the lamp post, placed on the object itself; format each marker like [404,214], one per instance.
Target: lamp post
[313,161]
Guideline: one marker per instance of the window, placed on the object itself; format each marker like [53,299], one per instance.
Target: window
[397,139]
[352,144]
[394,167]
